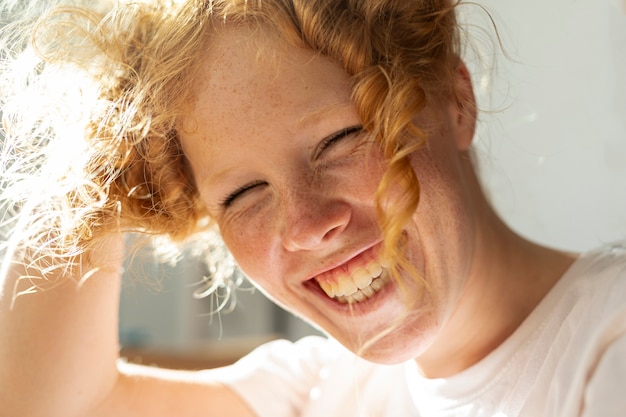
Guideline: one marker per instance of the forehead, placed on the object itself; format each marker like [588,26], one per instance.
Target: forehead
[252,85]
[245,67]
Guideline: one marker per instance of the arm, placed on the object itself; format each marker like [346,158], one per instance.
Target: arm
[59,355]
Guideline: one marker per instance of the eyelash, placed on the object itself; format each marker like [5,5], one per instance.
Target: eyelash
[232,196]
[326,143]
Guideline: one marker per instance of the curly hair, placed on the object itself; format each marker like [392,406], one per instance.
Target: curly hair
[92,102]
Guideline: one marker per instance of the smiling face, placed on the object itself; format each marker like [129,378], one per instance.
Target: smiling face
[282,163]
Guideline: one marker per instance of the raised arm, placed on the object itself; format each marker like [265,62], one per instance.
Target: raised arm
[90,99]
[59,354]
[59,344]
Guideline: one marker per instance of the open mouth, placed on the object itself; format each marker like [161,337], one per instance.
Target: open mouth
[362,283]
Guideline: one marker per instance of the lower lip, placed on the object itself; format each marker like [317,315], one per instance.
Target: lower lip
[354,309]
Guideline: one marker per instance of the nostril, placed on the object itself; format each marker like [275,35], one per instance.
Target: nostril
[335,231]
[313,229]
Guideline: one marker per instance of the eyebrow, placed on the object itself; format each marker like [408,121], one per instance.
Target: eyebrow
[215,177]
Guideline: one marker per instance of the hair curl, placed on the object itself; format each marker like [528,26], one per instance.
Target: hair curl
[92,101]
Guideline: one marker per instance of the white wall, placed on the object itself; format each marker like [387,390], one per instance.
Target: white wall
[555,155]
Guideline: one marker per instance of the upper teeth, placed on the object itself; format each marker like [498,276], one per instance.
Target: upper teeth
[348,285]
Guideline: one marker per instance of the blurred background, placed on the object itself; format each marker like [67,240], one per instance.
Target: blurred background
[163,322]
[552,150]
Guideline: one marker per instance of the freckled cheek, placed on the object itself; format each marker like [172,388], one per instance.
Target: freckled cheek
[364,178]
[254,249]
[250,243]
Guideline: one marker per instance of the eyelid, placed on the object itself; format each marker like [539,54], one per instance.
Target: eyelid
[320,148]
[329,140]
[228,200]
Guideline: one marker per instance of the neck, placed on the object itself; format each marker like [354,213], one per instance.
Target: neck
[508,278]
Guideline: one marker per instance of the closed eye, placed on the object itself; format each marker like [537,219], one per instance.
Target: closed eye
[230,198]
[328,141]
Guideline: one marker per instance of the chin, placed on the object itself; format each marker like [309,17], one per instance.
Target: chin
[399,342]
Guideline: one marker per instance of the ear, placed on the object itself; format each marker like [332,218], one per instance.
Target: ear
[463,116]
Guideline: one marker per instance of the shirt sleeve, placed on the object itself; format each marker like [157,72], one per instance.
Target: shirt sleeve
[605,395]
[275,378]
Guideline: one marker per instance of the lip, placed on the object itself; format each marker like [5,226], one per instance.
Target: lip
[359,309]
[345,262]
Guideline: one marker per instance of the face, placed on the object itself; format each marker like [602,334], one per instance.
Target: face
[284,166]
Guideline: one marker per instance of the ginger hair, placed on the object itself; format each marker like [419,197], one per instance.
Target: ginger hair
[129,75]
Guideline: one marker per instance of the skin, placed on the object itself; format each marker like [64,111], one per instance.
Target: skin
[256,130]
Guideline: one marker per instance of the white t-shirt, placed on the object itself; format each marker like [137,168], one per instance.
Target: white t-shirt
[567,359]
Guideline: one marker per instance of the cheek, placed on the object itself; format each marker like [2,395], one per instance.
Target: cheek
[364,179]
[257,251]
[250,243]
[444,191]
[444,222]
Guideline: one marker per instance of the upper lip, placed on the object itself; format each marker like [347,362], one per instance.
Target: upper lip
[340,260]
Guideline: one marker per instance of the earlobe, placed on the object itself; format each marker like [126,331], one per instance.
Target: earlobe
[464,112]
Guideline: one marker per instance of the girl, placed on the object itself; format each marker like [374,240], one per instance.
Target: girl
[329,144]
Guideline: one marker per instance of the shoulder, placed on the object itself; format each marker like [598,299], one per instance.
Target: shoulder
[609,259]
[314,376]
[591,312]
[602,330]
[598,277]
[279,368]
[601,276]
[585,312]
[604,394]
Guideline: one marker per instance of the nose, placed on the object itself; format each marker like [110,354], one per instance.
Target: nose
[313,220]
